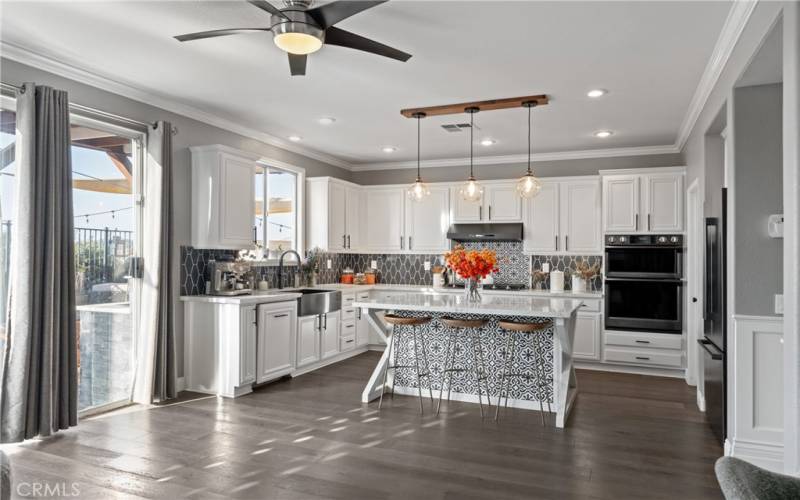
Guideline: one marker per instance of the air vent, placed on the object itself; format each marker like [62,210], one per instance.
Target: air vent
[457,127]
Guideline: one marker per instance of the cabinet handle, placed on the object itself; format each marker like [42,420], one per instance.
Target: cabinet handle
[642,341]
[566,243]
[358,313]
[344,241]
[402,242]
[636,223]
[556,243]
[490,212]
[648,222]
[645,358]
[480,212]
[325,319]
[409,242]
[281,315]
[348,341]
[348,241]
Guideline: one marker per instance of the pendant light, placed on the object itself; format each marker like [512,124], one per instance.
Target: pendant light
[419,190]
[528,185]
[471,190]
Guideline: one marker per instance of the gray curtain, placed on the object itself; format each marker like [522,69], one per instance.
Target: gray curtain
[39,378]
[159,145]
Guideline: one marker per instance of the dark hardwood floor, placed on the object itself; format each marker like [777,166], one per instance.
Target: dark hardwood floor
[310,438]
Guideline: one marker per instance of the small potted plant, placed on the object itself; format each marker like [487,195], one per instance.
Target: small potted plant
[309,269]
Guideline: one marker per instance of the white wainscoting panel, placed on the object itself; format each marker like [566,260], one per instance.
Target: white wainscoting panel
[757,391]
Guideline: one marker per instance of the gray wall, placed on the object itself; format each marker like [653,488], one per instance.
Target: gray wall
[190,133]
[758,180]
[511,171]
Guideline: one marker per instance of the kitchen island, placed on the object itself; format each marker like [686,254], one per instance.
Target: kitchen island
[548,355]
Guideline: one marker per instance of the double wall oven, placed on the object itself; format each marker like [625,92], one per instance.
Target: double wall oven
[643,284]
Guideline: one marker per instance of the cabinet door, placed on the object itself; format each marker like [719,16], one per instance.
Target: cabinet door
[352,218]
[330,334]
[541,226]
[464,211]
[664,203]
[247,344]
[621,201]
[307,340]
[383,220]
[337,206]
[503,204]
[587,336]
[580,216]
[276,341]
[427,221]
[236,202]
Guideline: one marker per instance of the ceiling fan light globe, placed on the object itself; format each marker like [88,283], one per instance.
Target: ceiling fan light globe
[297,43]
[528,186]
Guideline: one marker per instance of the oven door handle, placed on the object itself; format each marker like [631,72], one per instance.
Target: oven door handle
[645,280]
[704,343]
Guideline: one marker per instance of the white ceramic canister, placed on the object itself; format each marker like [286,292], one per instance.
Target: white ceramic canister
[557,281]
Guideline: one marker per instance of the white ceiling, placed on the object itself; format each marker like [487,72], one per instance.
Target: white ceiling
[649,55]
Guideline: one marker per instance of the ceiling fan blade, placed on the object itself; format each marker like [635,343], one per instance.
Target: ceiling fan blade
[342,38]
[297,64]
[213,33]
[331,13]
[264,5]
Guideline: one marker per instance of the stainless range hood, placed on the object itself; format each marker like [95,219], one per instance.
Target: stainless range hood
[485,232]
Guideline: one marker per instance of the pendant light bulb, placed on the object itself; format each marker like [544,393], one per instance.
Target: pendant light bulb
[419,190]
[528,185]
[471,191]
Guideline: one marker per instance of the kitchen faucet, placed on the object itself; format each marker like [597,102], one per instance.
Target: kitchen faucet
[280,266]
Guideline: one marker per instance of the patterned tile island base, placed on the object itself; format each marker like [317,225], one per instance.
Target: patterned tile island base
[534,358]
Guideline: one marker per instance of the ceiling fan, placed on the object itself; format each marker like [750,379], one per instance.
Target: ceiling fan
[300,30]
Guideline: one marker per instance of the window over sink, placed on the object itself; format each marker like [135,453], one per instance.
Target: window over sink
[278,222]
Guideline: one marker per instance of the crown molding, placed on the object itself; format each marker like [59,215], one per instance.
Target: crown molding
[521,158]
[46,63]
[728,37]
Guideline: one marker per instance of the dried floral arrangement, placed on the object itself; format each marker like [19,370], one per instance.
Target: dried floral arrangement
[539,276]
[585,271]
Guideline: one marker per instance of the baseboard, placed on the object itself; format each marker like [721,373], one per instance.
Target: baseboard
[633,370]
[766,455]
[701,400]
[376,347]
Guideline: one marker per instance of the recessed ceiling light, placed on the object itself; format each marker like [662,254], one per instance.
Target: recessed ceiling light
[326,120]
[388,149]
[295,138]
[488,142]
[602,134]
[595,93]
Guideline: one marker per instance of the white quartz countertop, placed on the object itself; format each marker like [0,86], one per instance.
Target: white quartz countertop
[495,305]
[274,295]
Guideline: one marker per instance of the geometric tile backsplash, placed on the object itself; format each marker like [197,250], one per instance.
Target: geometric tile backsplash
[569,262]
[400,269]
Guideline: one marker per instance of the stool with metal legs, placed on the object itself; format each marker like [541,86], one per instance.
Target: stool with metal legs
[516,332]
[467,329]
[417,345]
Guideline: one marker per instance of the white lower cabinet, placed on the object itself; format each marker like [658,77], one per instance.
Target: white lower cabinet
[248,333]
[363,327]
[659,350]
[588,326]
[308,340]
[277,324]
[329,331]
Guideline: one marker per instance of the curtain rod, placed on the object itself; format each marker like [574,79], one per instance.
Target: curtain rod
[10,91]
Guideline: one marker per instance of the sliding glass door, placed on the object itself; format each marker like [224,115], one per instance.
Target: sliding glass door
[106,172]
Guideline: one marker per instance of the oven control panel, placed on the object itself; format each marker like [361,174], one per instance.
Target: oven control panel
[648,240]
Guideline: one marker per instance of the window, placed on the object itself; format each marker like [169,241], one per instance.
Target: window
[276,225]
[7,193]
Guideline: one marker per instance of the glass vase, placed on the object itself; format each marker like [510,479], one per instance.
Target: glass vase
[471,291]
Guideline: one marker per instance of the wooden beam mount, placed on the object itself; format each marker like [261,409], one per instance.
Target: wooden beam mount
[490,105]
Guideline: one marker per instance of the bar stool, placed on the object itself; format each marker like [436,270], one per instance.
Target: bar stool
[515,333]
[395,321]
[469,328]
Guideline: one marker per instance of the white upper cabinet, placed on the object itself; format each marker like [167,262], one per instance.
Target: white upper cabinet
[333,214]
[464,211]
[564,217]
[644,202]
[621,202]
[664,203]
[542,218]
[427,221]
[580,216]
[382,220]
[502,203]
[223,197]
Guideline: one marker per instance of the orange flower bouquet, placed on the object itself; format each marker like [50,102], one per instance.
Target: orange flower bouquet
[471,265]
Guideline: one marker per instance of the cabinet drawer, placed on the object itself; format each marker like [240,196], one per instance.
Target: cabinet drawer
[653,357]
[591,305]
[644,339]
[347,343]
[348,313]
[363,295]
[348,299]
[348,329]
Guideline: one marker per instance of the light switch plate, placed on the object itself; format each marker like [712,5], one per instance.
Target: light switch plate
[329,264]
[778,303]
[427,265]
[374,264]
[546,267]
